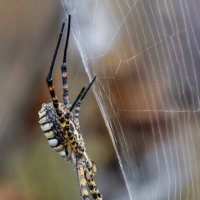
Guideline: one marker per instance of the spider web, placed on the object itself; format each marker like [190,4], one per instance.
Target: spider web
[146,55]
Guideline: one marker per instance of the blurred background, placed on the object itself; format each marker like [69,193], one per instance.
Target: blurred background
[146,57]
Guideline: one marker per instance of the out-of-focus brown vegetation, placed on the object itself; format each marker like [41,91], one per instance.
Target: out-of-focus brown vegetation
[26,38]
[9,193]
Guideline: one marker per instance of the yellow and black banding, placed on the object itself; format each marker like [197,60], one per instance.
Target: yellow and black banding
[74,140]
[52,93]
[65,84]
[64,119]
[82,182]
[94,191]
[91,166]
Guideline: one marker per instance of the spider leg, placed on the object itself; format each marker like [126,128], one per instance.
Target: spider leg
[94,191]
[76,120]
[90,172]
[91,166]
[82,182]
[79,99]
[73,159]
[64,119]
[64,68]
[82,94]
[49,79]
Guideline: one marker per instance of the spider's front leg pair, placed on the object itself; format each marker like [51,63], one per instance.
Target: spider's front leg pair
[63,117]
[70,139]
[62,110]
[64,114]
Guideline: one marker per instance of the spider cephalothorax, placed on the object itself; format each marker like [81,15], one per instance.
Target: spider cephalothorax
[62,130]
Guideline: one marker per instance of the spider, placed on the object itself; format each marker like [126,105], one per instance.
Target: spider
[62,130]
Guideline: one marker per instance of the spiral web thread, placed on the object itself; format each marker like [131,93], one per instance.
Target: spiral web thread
[146,55]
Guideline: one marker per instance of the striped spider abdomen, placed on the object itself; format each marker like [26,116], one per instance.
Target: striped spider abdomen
[50,125]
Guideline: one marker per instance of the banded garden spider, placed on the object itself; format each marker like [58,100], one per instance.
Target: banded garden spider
[62,130]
